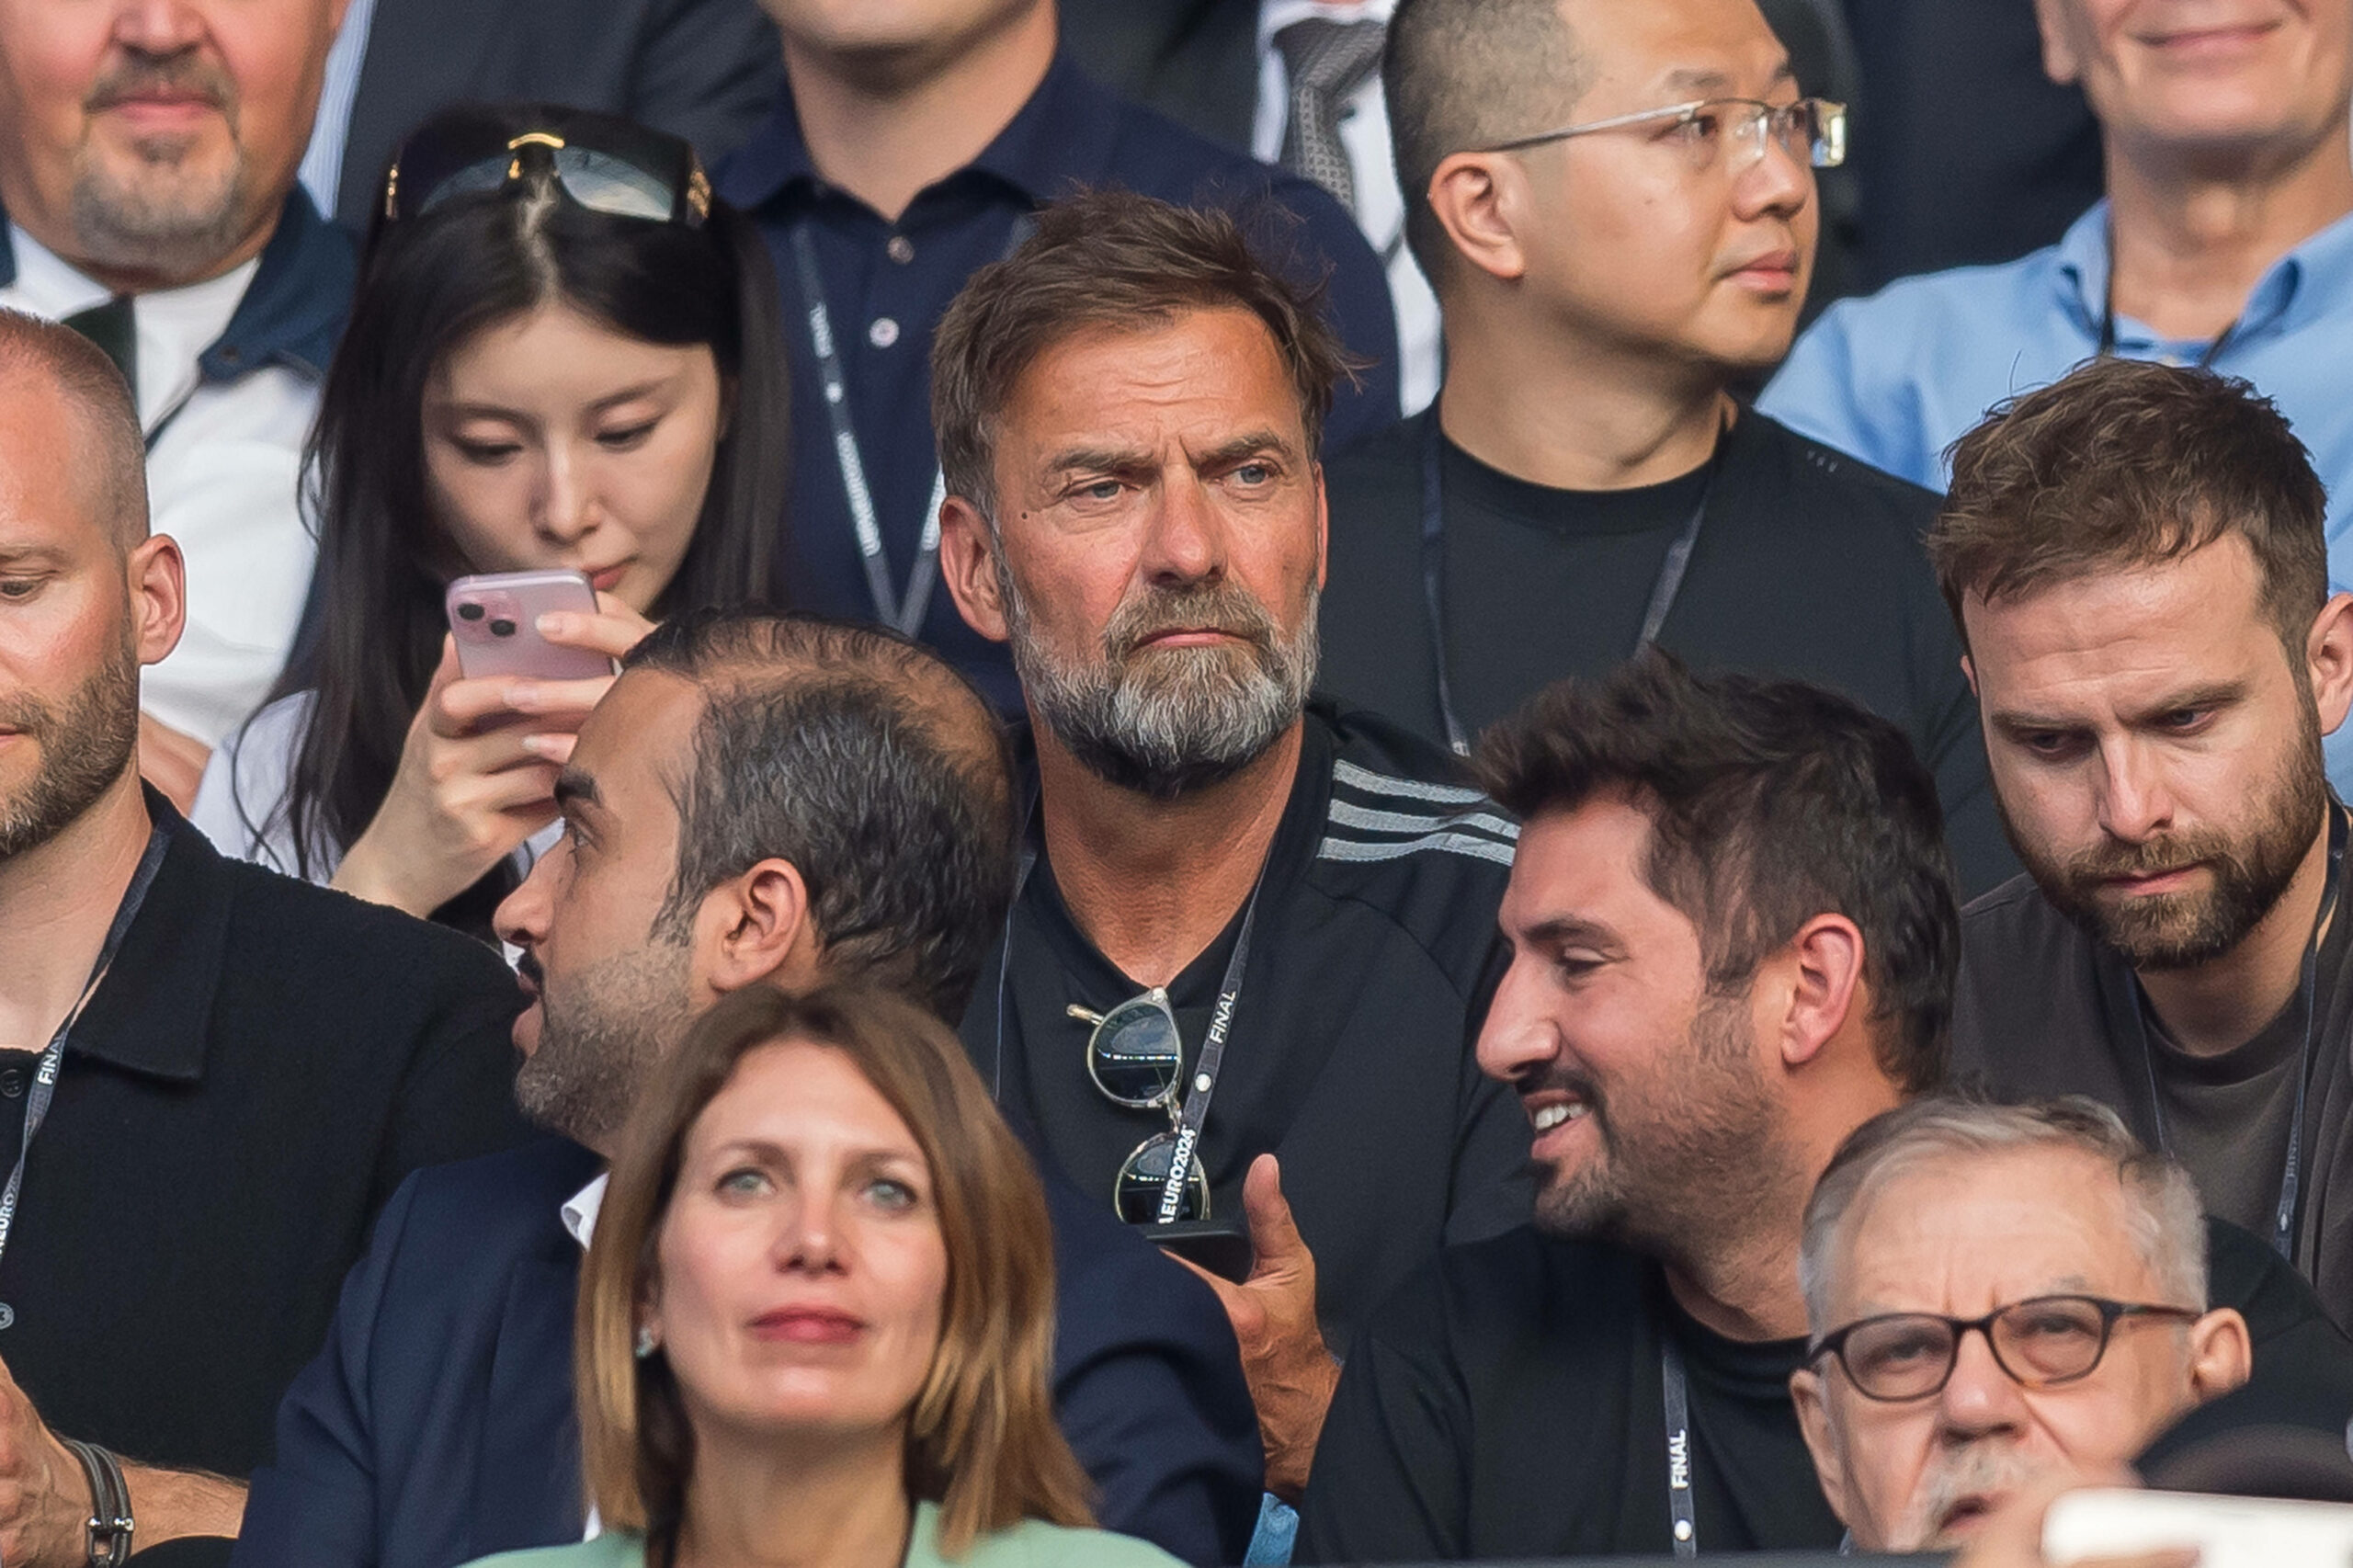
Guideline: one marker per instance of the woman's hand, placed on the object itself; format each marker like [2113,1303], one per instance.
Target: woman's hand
[477,773]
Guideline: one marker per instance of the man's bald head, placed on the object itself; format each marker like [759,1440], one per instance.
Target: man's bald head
[867,763]
[109,456]
[1460,76]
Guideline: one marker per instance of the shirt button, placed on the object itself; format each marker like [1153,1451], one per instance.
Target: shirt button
[883,332]
[12,1081]
[900,249]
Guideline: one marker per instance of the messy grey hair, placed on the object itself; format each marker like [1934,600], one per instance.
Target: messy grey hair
[2163,1214]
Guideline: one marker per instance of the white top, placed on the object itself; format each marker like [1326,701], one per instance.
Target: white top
[1381,205]
[220,479]
[580,1211]
[321,171]
[240,804]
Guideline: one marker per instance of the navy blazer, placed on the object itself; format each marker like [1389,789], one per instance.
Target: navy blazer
[437,1425]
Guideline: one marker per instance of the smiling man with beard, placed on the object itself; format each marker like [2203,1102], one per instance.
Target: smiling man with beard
[2136,561]
[1255,933]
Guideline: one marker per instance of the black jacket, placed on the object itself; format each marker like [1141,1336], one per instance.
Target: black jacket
[437,1425]
[263,1064]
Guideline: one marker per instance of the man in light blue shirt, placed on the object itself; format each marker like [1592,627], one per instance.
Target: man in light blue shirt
[2224,241]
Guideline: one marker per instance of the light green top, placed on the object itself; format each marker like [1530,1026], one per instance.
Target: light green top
[1029,1544]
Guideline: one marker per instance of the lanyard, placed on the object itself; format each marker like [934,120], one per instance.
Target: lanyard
[905,615]
[2106,348]
[2283,1219]
[1195,1112]
[1678,1448]
[44,1089]
[1663,591]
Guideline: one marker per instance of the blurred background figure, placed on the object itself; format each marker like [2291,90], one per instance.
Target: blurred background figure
[819,1308]
[547,366]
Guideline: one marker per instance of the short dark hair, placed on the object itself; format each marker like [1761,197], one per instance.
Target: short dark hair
[1461,75]
[2124,464]
[116,463]
[1110,258]
[1770,801]
[872,765]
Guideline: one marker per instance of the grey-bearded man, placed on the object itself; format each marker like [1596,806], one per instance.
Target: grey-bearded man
[1242,978]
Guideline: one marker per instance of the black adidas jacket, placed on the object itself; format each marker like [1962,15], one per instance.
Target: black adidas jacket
[1350,1054]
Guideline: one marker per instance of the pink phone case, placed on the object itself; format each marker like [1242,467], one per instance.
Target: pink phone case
[496,620]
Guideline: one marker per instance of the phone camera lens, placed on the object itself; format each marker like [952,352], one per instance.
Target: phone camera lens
[470,611]
[501,629]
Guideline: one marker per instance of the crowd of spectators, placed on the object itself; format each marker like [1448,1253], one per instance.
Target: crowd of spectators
[1036,782]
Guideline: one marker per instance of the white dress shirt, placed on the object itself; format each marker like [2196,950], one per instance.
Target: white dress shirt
[221,468]
[321,171]
[1381,205]
[579,1215]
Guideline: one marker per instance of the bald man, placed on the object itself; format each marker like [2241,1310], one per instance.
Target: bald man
[226,1072]
[760,799]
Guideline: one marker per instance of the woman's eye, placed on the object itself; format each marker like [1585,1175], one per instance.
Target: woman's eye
[892,1194]
[625,441]
[747,1181]
[486,452]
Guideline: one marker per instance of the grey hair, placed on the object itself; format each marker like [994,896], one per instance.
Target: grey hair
[2163,1215]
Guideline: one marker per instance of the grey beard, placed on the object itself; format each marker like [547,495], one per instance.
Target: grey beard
[1173,720]
[174,239]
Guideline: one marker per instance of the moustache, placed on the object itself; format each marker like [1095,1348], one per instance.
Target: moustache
[528,966]
[2153,857]
[1219,607]
[148,75]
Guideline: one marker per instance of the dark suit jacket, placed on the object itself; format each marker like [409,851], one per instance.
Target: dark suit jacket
[438,1424]
[706,70]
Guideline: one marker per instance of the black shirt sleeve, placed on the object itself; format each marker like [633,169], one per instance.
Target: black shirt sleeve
[456,1099]
[1491,1191]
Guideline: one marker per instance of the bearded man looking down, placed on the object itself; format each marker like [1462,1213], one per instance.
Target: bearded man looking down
[2136,561]
[1252,927]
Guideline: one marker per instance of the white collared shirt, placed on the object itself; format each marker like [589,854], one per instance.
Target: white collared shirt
[221,478]
[579,1215]
[1381,205]
[321,171]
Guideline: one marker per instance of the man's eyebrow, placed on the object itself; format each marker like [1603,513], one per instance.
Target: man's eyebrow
[575,788]
[1560,930]
[32,555]
[1703,82]
[1100,460]
[2213,694]
[1254,444]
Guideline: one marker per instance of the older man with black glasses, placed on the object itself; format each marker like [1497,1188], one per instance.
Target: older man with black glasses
[1999,1296]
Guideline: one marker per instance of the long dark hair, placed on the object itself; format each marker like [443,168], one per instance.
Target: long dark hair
[427,283]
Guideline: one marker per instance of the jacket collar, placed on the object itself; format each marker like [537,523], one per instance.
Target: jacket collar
[1059,141]
[153,1009]
[293,310]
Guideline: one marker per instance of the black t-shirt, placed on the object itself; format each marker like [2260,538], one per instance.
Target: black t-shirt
[1808,565]
[2042,1008]
[1351,1055]
[1509,1403]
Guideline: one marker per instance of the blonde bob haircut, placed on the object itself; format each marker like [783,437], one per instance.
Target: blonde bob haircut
[982,1440]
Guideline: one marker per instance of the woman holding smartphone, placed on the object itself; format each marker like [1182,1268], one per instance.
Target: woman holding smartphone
[562,355]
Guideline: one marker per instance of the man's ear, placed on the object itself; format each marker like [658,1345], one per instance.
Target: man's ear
[1968,673]
[2222,1354]
[2060,60]
[753,927]
[1814,1419]
[1824,968]
[2328,656]
[968,565]
[158,582]
[1477,200]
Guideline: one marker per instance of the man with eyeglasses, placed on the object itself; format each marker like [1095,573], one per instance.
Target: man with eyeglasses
[2225,239]
[1616,206]
[1733,943]
[1250,925]
[1998,1295]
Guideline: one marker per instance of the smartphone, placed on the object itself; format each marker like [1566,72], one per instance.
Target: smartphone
[2229,1532]
[495,618]
[1217,1246]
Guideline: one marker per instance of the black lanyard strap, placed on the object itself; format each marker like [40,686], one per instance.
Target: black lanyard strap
[1678,1398]
[1196,1098]
[2283,1218]
[44,1089]
[1663,591]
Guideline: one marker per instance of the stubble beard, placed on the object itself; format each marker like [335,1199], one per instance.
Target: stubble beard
[1163,721]
[599,1040]
[84,745]
[159,217]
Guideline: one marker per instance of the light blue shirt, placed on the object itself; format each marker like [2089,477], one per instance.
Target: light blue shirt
[321,171]
[1897,377]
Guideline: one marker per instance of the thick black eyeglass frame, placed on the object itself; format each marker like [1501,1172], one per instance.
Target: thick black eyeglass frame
[428,163]
[2110,1315]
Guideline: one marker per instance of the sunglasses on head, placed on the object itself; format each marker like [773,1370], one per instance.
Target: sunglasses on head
[609,167]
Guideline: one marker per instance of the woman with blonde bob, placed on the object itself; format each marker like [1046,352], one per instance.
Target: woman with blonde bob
[815,1322]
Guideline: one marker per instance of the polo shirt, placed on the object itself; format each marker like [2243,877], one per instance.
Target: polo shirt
[1808,565]
[1509,1404]
[1897,377]
[887,284]
[2043,1008]
[229,377]
[261,1066]
[1350,1054]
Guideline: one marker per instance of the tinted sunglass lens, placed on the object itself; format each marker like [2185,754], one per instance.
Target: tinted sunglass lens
[1143,1176]
[606,184]
[1135,1055]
